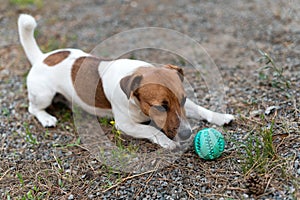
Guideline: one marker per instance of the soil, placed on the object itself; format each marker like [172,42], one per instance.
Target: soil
[55,163]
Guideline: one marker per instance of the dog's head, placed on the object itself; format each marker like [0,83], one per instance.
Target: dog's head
[160,94]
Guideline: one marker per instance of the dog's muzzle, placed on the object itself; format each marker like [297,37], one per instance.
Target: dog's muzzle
[184,130]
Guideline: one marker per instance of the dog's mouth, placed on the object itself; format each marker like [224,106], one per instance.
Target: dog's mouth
[183,143]
[153,124]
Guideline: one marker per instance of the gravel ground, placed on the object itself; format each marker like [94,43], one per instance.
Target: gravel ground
[38,163]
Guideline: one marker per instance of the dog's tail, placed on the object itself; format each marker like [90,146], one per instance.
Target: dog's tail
[26,25]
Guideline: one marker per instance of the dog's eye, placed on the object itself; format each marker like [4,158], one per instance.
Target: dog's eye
[161,108]
[183,101]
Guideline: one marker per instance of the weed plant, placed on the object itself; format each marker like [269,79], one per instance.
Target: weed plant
[272,73]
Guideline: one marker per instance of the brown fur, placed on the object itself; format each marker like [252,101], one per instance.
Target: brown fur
[178,69]
[87,82]
[159,88]
[56,58]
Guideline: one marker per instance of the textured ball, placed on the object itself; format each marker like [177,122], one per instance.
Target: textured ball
[209,143]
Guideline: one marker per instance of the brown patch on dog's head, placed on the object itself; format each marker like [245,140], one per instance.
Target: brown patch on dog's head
[55,58]
[160,94]
[178,69]
[87,82]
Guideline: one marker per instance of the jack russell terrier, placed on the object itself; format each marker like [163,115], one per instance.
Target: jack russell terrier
[146,101]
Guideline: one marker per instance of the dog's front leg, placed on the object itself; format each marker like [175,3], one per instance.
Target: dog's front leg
[144,131]
[197,112]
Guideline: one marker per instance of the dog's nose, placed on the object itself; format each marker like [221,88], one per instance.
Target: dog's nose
[184,131]
[185,134]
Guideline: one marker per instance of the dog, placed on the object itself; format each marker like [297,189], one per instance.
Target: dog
[145,101]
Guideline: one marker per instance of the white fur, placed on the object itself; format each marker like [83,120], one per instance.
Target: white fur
[43,82]
[26,25]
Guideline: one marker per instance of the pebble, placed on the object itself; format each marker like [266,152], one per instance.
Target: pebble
[71,197]
[296,164]
[256,113]
[190,165]
[271,109]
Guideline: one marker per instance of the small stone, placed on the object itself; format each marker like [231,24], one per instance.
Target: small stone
[133,4]
[256,113]
[66,166]
[270,109]
[190,165]
[296,164]
[71,197]
[292,190]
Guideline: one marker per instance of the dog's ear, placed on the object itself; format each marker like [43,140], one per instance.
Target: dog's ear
[130,83]
[178,69]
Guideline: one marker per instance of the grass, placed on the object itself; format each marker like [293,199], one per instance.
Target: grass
[121,154]
[75,144]
[117,133]
[112,177]
[129,148]
[54,43]
[104,121]
[272,74]
[29,137]
[258,151]
[32,194]
[20,177]
[261,151]
[5,112]
[26,3]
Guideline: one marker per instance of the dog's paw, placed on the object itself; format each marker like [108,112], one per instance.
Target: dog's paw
[166,143]
[43,117]
[47,120]
[222,119]
[227,118]
[170,146]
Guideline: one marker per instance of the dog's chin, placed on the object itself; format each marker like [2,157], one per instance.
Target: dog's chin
[153,124]
[182,145]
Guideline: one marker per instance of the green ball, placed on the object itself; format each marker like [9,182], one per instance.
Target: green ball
[209,143]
